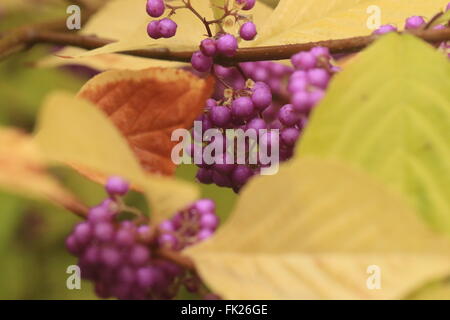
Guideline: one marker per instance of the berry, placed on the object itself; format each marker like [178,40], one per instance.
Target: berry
[205,206]
[241,175]
[220,116]
[247,4]
[208,47]
[318,77]
[167,28]
[227,45]
[289,136]
[301,101]
[385,29]
[288,115]
[261,98]
[153,30]
[304,60]
[248,31]
[242,107]
[200,62]
[155,8]
[117,186]
[414,22]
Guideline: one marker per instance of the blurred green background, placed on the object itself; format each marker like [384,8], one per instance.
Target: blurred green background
[33,259]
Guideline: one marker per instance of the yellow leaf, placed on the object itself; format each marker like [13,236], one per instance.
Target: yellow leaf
[312,231]
[295,21]
[74,131]
[23,170]
[393,120]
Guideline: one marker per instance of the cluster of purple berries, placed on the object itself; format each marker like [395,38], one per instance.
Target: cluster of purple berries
[119,255]
[164,28]
[253,107]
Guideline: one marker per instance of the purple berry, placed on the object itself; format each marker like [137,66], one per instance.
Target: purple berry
[82,233]
[116,186]
[256,124]
[227,45]
[139,255]
[241,175]
[289,136]
[204,234]
[104,231]
[315,97]
[301,101]
[124,237]
[288,116]
[220,116]
[71,245]
[242,107]
[200,62]
[209,221]
[167,240]
[146,277]
[320,52]
[304,60]
[167,28]
[205,206]
[248,31]
[318,77]
[208,47]
[204,176]
[155,8]
[110,257]
[247,4]
[385,29]
[221,180]
[414,22]
[297,84]
[261,98]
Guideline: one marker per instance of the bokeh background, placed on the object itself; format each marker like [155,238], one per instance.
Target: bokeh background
[33,259]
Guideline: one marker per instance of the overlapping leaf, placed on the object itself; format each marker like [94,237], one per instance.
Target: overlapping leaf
[147,106]
[311,232]
[388,112]
[73,131]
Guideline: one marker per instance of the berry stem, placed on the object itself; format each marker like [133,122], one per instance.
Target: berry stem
[188,5]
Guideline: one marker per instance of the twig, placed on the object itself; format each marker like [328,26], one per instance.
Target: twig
[177,258]
[23,38]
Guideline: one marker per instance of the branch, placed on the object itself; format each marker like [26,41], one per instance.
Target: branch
[350,45]
[177,258]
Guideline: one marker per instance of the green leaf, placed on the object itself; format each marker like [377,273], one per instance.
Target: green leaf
[388,112]
[312,230]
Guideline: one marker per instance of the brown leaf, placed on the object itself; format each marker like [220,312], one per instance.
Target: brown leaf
[23,170]
[147,105]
